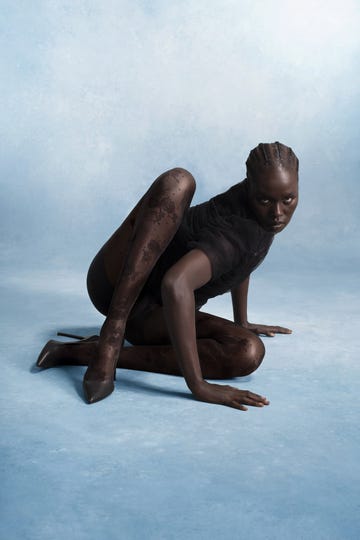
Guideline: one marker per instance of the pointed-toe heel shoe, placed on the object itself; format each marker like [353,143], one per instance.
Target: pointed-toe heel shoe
[98,389]
[50,355]
[47,358]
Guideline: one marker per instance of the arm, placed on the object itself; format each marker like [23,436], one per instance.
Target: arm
[239,295]
[178,285]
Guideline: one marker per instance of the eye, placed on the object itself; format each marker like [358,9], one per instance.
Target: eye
[264,201]
[288,200]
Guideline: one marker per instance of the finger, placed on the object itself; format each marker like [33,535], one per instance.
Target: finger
[253,399]
[240,405]
[256,402]
[282,330]
[235,405]
[252,395]
[253,403]
[264,330]
[248,397]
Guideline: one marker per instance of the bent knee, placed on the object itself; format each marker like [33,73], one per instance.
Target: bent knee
[255,353]
[246,355]
[180,179]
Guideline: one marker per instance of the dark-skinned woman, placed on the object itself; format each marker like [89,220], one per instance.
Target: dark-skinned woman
[164,262]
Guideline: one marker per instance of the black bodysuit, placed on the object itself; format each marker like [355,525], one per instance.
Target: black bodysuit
[225,229]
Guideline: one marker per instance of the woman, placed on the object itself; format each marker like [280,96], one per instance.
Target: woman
[162,264]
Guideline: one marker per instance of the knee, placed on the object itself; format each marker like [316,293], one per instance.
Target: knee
[245,356]
[255,354]
[180,181]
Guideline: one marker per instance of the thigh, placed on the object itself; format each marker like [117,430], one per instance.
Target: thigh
[115,248]
[168,196]
[99,288]
[148,327]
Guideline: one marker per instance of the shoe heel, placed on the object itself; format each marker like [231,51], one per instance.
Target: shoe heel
[75,336]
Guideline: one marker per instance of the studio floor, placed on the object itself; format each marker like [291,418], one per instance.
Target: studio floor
[150,461]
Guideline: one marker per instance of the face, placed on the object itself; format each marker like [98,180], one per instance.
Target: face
[273,196]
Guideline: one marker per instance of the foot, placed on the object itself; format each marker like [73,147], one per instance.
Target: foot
[52,354]
[98,382]
[99,377]
[98,389]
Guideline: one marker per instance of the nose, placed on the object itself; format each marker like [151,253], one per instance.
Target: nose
[276,211]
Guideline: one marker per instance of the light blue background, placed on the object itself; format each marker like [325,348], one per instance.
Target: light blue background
[97,99]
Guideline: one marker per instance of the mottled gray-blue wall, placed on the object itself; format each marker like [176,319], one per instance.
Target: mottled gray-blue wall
[98,98]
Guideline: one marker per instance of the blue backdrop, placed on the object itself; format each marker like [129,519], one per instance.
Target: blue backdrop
[98,98]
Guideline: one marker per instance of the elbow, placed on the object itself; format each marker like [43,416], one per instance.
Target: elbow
[174,289]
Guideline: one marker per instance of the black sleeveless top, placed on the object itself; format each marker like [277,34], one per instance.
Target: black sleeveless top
[225,229]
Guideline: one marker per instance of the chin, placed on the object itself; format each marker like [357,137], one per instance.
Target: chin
[276,229]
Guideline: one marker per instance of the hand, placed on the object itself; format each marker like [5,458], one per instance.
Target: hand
[228,395]
[266,330]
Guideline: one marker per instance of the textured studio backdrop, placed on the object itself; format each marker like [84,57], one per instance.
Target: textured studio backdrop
[98,98]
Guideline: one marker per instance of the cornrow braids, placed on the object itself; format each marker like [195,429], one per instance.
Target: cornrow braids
[271,155]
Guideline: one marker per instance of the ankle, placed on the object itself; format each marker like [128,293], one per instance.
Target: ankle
[100,370]
[115,323]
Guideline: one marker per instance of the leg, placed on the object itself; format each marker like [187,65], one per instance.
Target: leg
[131,253]
[225,349]
[111,259]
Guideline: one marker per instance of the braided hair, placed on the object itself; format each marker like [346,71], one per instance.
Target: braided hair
[270,155]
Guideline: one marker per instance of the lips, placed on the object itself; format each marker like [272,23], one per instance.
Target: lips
[276,225]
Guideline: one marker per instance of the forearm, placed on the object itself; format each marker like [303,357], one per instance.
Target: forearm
[180,318]
[190,273]
[239,295]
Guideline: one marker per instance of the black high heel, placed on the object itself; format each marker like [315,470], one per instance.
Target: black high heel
[98,389]
[48,358]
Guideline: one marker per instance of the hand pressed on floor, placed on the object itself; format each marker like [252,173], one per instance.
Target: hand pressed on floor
[266,330]
[229,396]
